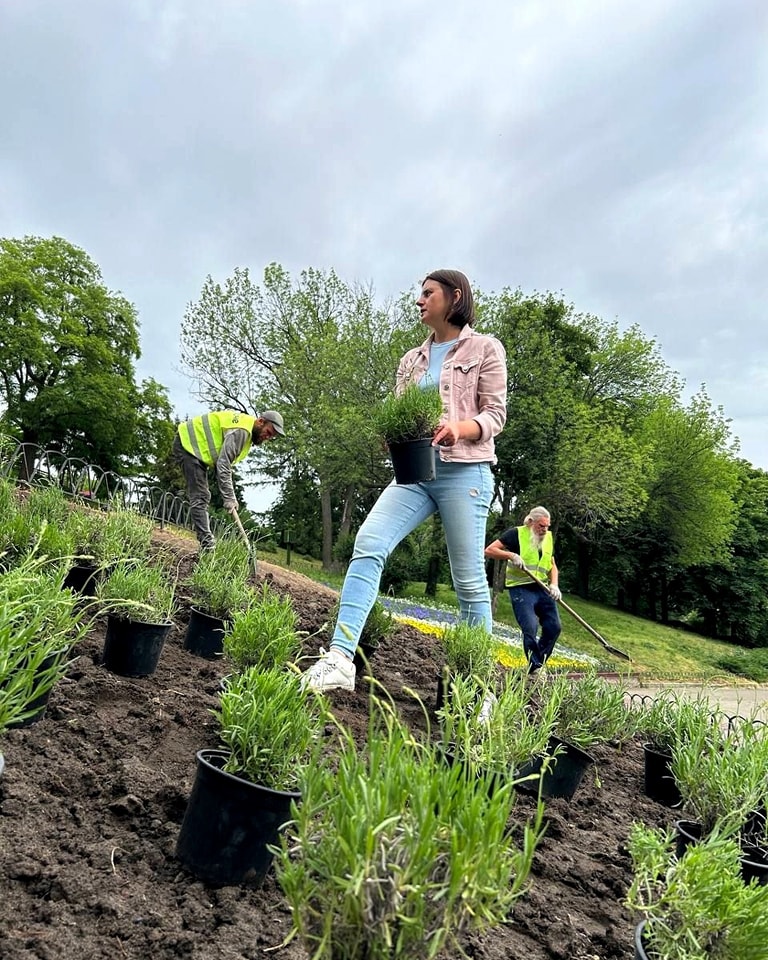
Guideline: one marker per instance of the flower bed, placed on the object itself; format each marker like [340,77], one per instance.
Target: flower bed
[433,620]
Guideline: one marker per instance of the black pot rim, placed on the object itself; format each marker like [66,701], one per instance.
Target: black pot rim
[572,746]
[661,751]
[208,614]
[142,623]
[207,755]
[639,945]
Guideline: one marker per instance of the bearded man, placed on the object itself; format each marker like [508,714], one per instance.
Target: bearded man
[531,548]
[219,440]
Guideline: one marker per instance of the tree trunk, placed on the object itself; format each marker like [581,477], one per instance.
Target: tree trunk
[28,458]
[327,521]
[346,512]
[651,600]
[583,564]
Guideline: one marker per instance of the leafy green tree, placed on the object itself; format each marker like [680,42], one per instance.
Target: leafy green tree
[575,387]
[691,509]
[727,596]
[547,357]
[67,352]
[318,350]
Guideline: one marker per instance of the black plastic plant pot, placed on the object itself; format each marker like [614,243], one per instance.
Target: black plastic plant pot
[413,460]
[132,649]
[205,635]
[364,653]
[686,833]
[659,783]
[560,775]
[640,953]
[229,825]
[82,579]
[443,684]
[754,864]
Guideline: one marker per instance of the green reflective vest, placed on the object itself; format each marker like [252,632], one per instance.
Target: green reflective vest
[538,560]
[203,436]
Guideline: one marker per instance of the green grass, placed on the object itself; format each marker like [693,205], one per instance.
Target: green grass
[657,652]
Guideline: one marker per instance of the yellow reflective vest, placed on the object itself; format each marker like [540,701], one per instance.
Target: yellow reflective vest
[538,560]
[203,436]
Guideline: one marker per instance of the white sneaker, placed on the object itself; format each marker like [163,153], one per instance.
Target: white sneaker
[333,671]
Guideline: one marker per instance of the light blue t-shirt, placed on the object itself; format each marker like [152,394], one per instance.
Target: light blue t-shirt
[437,354]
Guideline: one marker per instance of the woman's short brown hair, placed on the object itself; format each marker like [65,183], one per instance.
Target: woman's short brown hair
[463,312]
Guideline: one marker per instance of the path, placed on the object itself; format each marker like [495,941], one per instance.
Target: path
[734,701]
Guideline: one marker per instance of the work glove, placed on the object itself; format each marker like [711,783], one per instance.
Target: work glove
[231,506]
[554,592]
[517,561]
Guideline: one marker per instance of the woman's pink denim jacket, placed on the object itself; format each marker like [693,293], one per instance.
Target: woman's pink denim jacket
[473,385]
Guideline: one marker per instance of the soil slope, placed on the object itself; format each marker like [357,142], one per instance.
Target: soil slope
[93,795]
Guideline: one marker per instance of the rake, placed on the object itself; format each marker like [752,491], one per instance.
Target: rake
[614,650]
[244,538]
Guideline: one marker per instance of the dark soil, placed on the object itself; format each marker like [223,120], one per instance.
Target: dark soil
[92,798]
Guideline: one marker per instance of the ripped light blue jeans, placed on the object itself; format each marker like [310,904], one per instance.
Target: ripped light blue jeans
[462,494]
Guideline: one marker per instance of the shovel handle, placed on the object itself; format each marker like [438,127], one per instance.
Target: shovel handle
[243,535]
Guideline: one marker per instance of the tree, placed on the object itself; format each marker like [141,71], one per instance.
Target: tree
[317,349]
[726,597]
[67,352]
[690,512]
[547,358]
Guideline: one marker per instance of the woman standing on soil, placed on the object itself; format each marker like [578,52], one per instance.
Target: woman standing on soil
[471,372]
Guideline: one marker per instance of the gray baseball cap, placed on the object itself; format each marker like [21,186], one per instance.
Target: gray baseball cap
[275,419]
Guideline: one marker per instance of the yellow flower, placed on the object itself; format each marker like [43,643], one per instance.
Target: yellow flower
[432,629]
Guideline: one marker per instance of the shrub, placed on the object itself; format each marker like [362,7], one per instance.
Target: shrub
[109,537]
[508,736]
[588,710]
[377,627]
[37,619]
[696,907]
[269,725]
[392,867]
[470,651]
[722,778]
[263,634]
[138,592]
[670,720]
[411,415]
[219,580]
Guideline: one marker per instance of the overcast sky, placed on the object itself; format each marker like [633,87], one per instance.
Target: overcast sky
[616,152]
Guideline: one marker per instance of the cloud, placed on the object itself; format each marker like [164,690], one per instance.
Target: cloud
[614,152]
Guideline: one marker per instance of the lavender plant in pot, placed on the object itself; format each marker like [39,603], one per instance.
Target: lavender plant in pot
[397,866]
[140,603]
[470,651]
[38,626]
[219,588]
[695,906]
[263,634]
[665,722]
[722,780]
[407,422]
[245,791]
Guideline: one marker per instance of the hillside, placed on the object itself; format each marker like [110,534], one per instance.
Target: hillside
[93,795]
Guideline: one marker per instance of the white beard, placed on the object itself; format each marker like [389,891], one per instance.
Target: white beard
[536,540]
